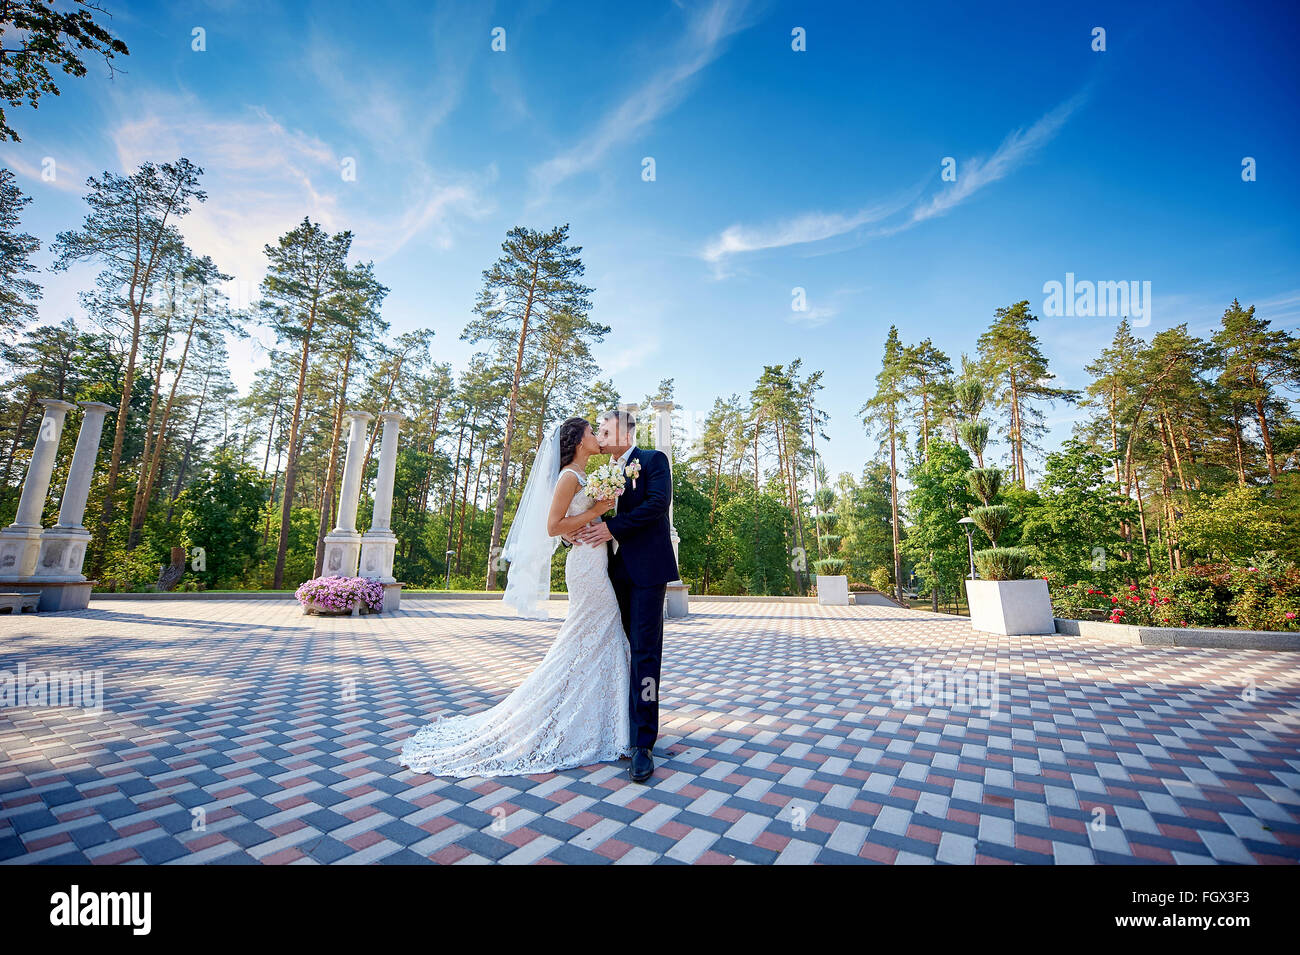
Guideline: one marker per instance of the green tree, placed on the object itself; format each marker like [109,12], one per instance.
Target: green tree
[1074,527]
[131,229]
[219,513]
[883,412]
[1257,360]
[307,270]
[35,37]
[537,275]
[938,498]
[1011,358]
[927,379]
[18,294]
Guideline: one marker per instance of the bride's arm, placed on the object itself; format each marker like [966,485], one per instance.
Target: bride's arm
[557,525]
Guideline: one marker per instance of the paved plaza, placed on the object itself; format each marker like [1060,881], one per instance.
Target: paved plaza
[240,731]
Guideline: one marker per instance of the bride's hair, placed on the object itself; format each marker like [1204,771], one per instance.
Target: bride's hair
[571,434]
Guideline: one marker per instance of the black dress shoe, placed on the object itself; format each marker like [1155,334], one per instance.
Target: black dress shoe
[643,764]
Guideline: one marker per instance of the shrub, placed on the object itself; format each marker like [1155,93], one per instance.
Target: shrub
[1001,563]
[880,580]
[730,585]
[1262,596]
[829,566]
[992,520]
[985,482]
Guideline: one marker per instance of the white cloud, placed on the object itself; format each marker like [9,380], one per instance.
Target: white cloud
[262,178]
[811,227]
[69,176]
[812,317]
[705,37]
[972,176]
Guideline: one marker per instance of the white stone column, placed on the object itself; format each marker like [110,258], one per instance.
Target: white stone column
[675,599]
[63,546]
[664,442]
[379,543]
[20,542]
[343,543]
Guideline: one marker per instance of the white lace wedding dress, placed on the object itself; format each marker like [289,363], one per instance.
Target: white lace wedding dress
[570,711]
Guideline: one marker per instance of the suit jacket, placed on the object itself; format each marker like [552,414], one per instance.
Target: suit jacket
[641,527]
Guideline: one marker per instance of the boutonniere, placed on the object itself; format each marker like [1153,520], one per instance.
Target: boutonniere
[633,471]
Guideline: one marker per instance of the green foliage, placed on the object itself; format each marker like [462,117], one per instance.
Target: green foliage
[45,41]
[881,580]
[219,513]
[1073,529]
[985,482]
[975,435]
[128,570]
[1232,525]
[1002,563]
[750,537]
[939,496]
[731,584]
[829,566]
[992,519]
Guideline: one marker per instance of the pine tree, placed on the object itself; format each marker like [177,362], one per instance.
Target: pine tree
[537,274]
[884,412]
[1013,361]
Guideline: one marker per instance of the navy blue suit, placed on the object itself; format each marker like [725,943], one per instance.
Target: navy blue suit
[639,570]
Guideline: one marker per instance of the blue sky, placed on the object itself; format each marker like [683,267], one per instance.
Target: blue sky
[775,169]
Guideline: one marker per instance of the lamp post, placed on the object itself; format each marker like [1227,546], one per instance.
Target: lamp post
[970,543]
[448,558]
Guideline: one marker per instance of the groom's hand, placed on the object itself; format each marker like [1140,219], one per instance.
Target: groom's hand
[593,534]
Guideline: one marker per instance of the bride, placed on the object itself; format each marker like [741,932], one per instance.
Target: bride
[572,709]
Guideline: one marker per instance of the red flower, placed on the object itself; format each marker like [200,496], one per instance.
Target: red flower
[1114,600]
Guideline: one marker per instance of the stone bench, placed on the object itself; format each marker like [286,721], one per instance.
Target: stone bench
[19,603]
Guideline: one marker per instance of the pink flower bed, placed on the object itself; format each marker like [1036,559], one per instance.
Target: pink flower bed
[341,594]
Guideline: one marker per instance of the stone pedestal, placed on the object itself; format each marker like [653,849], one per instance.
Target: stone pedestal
[1010,607]
[57,595]
[833,590]
[342,554]
[676,600]
[343,543]
[20,542]
[379,543]
[392,597]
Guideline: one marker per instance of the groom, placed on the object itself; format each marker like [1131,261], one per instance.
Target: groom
[641,563]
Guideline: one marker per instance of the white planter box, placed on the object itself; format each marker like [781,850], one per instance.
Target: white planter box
[833,591]
[1011,607]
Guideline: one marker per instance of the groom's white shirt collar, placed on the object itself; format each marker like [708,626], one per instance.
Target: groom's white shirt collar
[622,458]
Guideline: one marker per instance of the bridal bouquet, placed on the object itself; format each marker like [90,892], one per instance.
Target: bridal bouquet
[606,480]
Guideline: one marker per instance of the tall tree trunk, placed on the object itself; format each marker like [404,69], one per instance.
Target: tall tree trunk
[1236,444]
[189,448]
[155,463]
[893,500]
[451,512]
[291,465]
[1268,438]
[464,499]
[18,433]
[499,516]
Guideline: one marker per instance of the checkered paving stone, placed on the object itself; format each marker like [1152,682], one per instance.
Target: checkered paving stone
[279,734]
